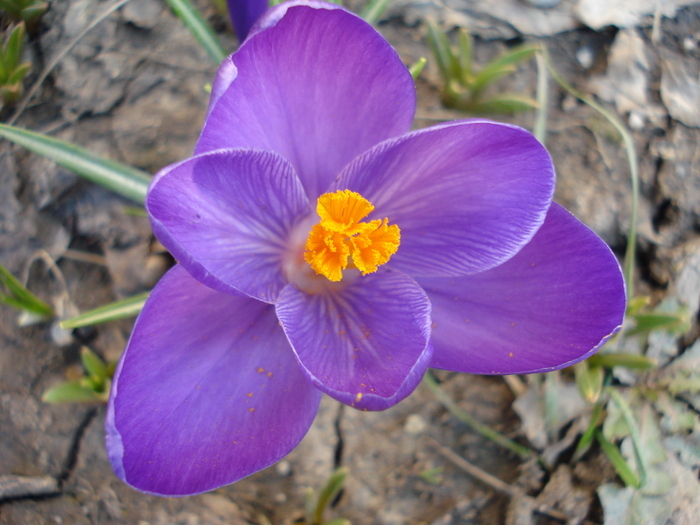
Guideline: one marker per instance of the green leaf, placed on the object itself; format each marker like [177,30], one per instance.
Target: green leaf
[34,11]
[588,435]
[634,434]
[202,31]
[21,298]
[635,304]
[440,46]
[676,322]
[465,44]
[118,177]
[618,461]
[13,47]
[72,392]
[128,307]
[631,361]
[432,475]
[514,57]
[506,103]
[374,10]
[486,77]
[93,364]
[331,489]
[417,68]
[19,73]
[589,380]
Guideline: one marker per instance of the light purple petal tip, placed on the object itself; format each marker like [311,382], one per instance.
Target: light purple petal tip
[314,83]
[206,393]
[467,195]
[553,304]
[226,217]
[366,345]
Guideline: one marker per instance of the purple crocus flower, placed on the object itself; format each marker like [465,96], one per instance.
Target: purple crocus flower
[324,248]
[244,14]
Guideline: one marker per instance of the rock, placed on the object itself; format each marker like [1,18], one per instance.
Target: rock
[597,14]
[677,178]
[144,13]
[680,90]
[489,19]
[27,486]
[626,81]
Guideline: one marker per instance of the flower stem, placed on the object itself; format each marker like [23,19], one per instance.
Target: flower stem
[484,430]
[630,252]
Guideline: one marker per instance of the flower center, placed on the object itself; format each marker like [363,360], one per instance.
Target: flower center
[340,235]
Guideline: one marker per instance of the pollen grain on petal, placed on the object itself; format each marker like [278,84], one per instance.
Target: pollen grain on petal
[340,234]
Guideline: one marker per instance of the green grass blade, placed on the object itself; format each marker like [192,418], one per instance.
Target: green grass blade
[630,252]
[118,177]
[506,103]
[94,365]
[331,489]
[128,307]
[618,462]
[374,10]
[34,11]
[72,392]
[673,322]
[13,48]
[465,44]
[626,412]
[202,31]
[417,68]
[588,435]
[484,430]
[18,74]
[513,57]
[542,115]
[631,361]
[21,297]
[440,46]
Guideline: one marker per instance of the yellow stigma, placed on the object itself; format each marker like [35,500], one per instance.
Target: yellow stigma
[340,235]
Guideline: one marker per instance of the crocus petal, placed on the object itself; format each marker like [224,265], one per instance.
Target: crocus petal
[314,83]
[467,196]
[207,391]
[226,216]
[365,344]
[244,13]
[551,305]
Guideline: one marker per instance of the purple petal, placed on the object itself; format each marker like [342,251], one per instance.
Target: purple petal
[467,196]
[366,343]
[551,305]
[314,83]
[244,13]
[207,392]
[226,216]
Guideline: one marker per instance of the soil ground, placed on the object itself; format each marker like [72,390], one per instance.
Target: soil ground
[133,89]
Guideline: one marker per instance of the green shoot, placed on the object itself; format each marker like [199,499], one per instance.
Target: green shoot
[12,71]
[464,84]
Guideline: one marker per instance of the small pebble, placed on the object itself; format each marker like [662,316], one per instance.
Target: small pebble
[283,468]
[689,43]
[280,497]
[636,121]
[415,425]
[543,4]
[585,57]
[569,103]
